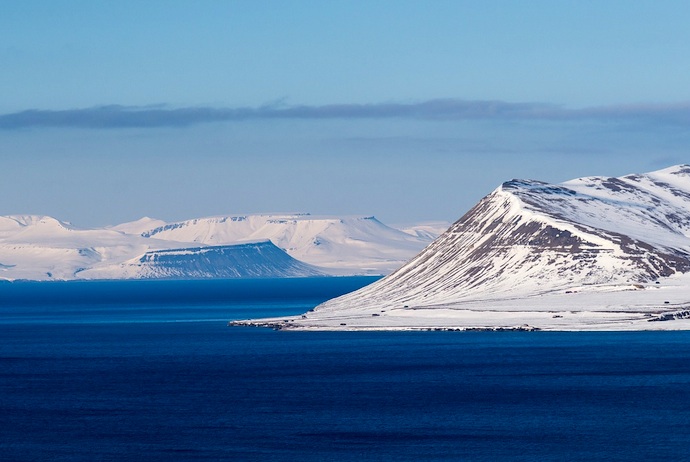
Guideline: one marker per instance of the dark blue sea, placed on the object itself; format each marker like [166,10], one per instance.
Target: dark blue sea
[150,371]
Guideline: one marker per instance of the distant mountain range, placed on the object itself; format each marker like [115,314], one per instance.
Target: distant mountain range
[586,253]
[341,245]
[289,245]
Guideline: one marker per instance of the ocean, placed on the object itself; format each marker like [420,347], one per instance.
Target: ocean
[149,370]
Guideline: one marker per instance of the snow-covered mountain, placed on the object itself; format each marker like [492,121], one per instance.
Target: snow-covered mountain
[253,260]
[43,248]
[343,245]
[596,245]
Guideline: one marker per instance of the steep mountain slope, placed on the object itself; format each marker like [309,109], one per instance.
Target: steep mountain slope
[350,245]
[255,260]
[528,243]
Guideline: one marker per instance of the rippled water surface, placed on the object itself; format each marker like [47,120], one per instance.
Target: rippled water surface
[150,371]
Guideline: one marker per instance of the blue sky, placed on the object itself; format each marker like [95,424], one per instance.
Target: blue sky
[406,110]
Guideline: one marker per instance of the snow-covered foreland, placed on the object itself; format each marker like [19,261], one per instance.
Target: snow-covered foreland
[593,253]
[284,245]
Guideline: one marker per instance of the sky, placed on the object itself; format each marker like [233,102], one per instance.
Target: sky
[407,110]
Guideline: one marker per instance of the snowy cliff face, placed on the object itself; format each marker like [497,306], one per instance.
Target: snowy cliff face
[253,260]
[350,245]
[529,238]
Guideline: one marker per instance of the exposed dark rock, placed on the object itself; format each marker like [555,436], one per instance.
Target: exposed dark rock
[530,236]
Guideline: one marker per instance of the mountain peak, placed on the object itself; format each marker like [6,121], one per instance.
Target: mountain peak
[527,244]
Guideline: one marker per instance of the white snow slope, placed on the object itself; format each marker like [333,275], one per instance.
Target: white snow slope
[429,230]
[43,248]
[591,253]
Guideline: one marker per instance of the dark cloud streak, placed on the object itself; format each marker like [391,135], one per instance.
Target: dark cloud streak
[114,116]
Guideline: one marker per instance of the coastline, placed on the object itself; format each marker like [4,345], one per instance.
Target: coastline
[595,308]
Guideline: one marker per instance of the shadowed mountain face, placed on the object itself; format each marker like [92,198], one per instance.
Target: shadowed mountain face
[261,259]
[529,238]
[252,260]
